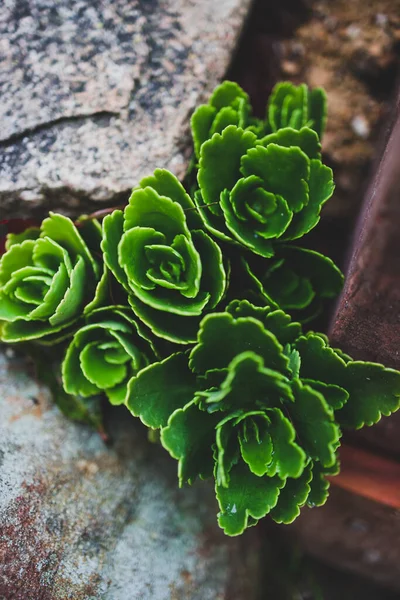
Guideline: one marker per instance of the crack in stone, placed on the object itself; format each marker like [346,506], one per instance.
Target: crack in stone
[17,137]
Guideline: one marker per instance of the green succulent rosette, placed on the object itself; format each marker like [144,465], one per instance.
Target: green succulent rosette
[49,277]
[259,406]
[260,193]
[246,398]
[105,353]
[288,106]
[297,280]
[157,249]
[296,106]
[228,105]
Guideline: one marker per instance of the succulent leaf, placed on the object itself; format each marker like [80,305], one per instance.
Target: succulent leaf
[172,272]
[306,139]
[247,496]
[105,353]
[173,328]
[321,187]
[31,233]
[292,497]
[296,106]
[266,388]
[228,105]
[258,193]
[288,458]
[319,485]
[47,280]
[221,338]
[373,389]
[189,438]
[160,389]
[220,162]
[276,321]
[314,423]
[255,442]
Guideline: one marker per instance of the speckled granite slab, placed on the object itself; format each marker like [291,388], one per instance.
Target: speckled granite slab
[95,95]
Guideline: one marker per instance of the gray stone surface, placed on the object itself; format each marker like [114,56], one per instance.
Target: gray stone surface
[95,95]
[83,520]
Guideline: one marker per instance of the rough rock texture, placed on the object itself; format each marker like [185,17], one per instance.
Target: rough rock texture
[83,521]
[96,95]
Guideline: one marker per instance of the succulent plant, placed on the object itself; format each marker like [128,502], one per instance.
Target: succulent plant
[260,406]
[157,249]
[176,308]
[288,106]
[297,280]
[48,277]
[228,105]
[296,106]
[109,349]
[262,192]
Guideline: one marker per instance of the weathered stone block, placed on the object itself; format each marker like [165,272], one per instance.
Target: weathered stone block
[96,95]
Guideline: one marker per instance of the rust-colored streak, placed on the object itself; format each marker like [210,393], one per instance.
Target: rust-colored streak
[27,559]
[369,475]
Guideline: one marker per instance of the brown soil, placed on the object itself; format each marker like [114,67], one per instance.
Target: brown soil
[352,49]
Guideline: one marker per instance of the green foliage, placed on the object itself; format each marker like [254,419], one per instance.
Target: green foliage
[48,277]
[261,192]
[289,106]
[295,279]
[259,405]
[374,390]
[297,106]
[228,105]
[105,353]
[171,269]
[177,307]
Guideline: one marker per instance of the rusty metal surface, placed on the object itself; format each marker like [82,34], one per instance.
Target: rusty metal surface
[84,521]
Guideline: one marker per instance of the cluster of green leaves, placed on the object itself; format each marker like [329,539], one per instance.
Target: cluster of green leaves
[288,106]
[177,307]
[105,353]
[48,276]
[259,405]
[261,185]
[157,249]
